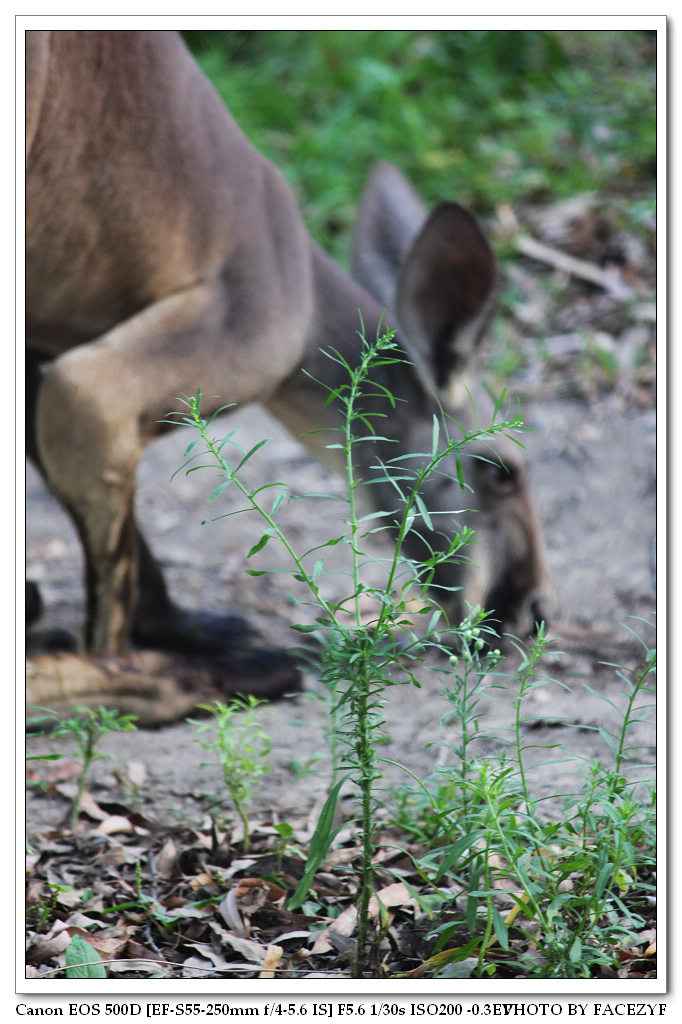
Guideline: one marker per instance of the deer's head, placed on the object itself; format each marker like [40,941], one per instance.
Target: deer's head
[438,276]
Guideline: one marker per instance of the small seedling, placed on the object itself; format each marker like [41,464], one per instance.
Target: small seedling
[241,747]
[45,908]
[300,768]
[285,834]
[87,726]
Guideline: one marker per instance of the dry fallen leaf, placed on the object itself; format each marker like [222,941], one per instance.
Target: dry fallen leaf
[52,944]
[230,913]
[394,895]
[253,893]
[165,859]
[273,955]
[252,951]
[115,823]
[108,946]
[136,772]
[90,807]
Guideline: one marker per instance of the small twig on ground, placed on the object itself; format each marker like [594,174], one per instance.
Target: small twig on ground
[609,278]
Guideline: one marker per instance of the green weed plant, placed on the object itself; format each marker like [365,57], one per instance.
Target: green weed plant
[241,746]
[361,654]
[86,726]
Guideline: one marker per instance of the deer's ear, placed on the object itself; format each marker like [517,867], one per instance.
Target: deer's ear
[390,217]
[446,294]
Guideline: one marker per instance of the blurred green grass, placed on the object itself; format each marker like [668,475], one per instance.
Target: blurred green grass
[484,117]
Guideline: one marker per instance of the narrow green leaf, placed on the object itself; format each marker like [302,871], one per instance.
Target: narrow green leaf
[219,412]
[459,471]
[608,739]
[251,452]
[576,951]
[499,403]
[453,956]
[602,878]
[219,489]
[318,568]
[259,545]
[601,697]
[435,437]
[381,514]
[409,522]
[500,928]
[320,844]
[423,510]
[435,616]
[279,499]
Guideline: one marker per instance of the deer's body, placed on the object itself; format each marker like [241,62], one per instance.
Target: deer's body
[165,253]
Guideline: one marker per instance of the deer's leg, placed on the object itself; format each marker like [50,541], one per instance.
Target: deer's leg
[162,624]
[88,447]
[100,404]
[157,622]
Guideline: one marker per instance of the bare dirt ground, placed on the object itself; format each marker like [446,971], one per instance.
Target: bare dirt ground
[592,466]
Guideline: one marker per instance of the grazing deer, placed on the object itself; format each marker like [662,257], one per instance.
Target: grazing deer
[163,253]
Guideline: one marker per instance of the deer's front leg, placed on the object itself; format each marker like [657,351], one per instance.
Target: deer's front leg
[97,408]
[89,445]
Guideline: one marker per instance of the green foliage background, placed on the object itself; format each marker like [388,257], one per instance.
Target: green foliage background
[484,117]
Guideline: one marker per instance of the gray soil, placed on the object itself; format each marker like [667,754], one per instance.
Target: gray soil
[592,468]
